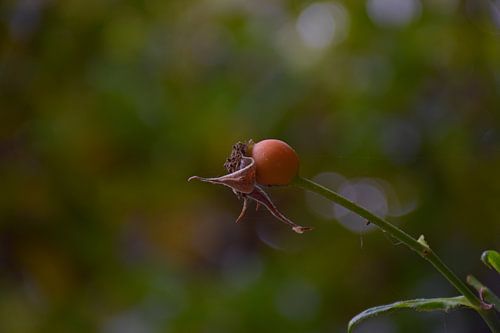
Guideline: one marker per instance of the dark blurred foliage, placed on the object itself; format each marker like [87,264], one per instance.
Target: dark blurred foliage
[108,106]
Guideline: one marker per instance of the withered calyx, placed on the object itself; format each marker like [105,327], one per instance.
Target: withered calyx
[242,180]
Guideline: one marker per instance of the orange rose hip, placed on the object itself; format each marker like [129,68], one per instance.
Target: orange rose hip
[276,162]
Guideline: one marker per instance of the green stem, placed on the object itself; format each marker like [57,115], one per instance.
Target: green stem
[419,246]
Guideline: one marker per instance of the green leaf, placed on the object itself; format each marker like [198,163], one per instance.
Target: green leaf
[491,259]
[423,304]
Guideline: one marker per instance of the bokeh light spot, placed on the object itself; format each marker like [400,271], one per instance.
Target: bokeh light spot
[319,205]
[366,193]
[397,13]
[321,24]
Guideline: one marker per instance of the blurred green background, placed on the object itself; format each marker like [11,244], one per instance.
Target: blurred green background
[108,106]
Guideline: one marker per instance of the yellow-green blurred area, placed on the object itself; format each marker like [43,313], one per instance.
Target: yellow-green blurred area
[108,106]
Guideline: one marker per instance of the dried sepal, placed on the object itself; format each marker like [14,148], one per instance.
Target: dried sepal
[262,198]
[242,180]
[243,210]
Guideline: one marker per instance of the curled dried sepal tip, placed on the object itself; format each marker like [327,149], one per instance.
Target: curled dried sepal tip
[262,198]
[301,230]
[484,305]
[242,180]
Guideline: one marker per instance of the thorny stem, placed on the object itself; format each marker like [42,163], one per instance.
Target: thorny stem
[420,247]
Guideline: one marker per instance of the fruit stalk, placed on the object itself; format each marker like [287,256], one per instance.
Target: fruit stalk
[419,246]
